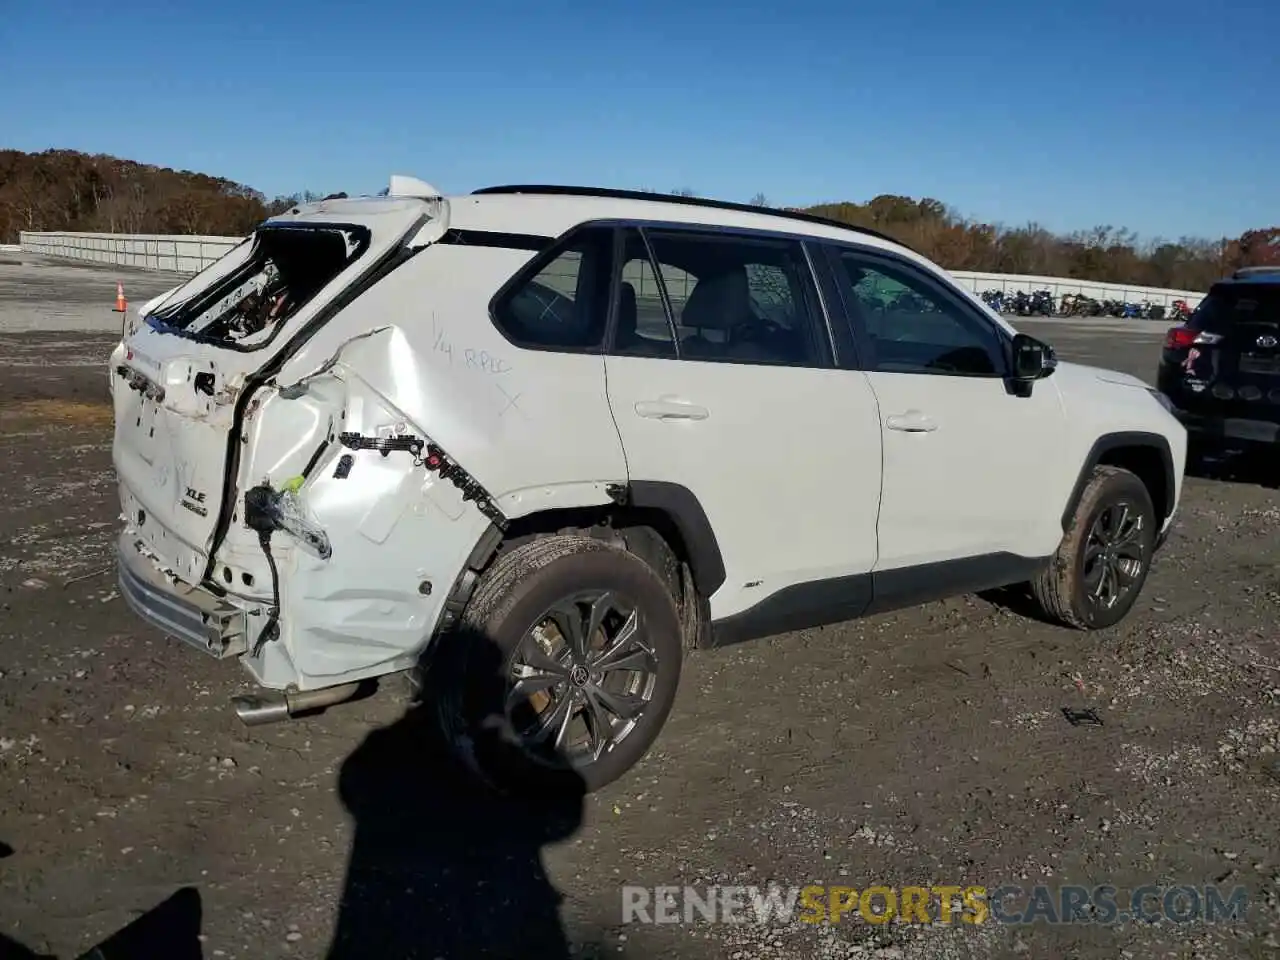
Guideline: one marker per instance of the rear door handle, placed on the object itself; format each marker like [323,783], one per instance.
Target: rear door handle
[671,409]
[913,421]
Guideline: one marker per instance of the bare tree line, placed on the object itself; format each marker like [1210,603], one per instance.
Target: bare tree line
[68,190]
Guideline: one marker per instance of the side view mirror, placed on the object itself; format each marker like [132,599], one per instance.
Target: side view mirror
[1032,359]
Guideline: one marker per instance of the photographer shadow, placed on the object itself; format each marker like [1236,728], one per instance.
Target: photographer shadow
[170,930]
[442,864]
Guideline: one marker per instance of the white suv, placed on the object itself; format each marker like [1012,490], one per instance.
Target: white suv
[543,441]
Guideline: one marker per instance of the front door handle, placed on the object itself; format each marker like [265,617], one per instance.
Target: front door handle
[913,421]
[668,408]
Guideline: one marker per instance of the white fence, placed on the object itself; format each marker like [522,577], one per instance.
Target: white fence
[1125,293]
[192,254]
[179,254]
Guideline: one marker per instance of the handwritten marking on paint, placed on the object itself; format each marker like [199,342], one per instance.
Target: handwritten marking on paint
[484,360]
[442,345]
[472,358]
[511,402]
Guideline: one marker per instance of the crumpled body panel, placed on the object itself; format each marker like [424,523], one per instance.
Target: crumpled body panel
[399,531]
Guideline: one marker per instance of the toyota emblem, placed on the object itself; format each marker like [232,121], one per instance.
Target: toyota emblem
[1267,341]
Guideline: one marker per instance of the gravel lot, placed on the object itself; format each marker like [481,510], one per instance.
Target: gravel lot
[924,747]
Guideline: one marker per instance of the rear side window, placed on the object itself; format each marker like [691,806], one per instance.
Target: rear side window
[1230,304]
[286,267]
[732,299]
[561,301]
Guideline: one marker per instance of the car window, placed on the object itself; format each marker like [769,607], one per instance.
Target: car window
[1228,305]
[913,327]
[732,299]
[563,303]
[771,293]
[643,328]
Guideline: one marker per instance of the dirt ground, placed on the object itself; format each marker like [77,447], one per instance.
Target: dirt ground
[924,747]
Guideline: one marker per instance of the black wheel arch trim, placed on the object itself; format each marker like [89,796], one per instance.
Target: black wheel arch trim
[1118,441]
[706,563]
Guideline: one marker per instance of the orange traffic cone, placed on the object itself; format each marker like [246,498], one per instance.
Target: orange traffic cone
[121,305]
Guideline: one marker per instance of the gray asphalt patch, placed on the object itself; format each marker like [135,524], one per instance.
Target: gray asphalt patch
[44,294]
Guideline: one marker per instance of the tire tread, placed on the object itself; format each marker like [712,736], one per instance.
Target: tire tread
[495,594]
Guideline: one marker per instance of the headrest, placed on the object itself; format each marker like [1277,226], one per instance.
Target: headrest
[718,301]
[627,310]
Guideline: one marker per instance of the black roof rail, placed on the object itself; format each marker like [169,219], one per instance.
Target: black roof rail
[609,192]
[1243,272]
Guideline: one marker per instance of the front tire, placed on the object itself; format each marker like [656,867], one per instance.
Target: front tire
[1100,566]
[563,668]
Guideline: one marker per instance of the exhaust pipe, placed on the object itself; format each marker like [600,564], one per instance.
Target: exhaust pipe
[255,709]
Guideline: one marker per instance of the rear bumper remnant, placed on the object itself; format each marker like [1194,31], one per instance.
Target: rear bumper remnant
[188,613]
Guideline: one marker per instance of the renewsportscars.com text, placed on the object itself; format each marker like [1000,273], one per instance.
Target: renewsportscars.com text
[1009,904]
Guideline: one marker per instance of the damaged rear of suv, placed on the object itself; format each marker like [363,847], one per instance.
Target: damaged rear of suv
[533,444]
[212,451]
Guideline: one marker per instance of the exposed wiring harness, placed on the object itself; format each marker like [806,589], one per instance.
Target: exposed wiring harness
[261,513]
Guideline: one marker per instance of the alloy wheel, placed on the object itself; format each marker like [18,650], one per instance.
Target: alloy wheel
[1114,554]
[580,679]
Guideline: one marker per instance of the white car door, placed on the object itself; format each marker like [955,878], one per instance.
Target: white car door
[721,379]
[966,457]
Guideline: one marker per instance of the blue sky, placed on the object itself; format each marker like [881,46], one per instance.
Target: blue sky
[1159,116]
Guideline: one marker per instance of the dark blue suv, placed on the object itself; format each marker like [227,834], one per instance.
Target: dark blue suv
[1221,369]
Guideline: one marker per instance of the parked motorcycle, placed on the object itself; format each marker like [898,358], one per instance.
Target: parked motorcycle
[1078,305]
[1042,303]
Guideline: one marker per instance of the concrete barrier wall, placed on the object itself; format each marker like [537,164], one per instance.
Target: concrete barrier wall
[180,254]
[192,254]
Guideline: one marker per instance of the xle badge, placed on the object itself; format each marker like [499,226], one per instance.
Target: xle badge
[193,500]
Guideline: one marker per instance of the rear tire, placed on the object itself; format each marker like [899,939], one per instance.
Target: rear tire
[1102,562]
[590,634]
